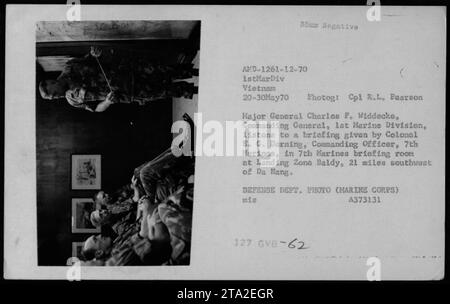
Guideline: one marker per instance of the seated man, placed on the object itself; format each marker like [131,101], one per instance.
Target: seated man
[176,214]
[117,216]
[103,198]
[160,177]
[143,242]
[111,209]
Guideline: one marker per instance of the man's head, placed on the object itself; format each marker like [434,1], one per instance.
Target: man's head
[99,217]
[102,198]
[51,89]
[97,247]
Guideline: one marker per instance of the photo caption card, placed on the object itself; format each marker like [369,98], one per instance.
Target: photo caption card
[245,143]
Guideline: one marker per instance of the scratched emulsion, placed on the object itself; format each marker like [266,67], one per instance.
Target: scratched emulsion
[52,31]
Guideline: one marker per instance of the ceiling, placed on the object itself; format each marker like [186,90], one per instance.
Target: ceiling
[60,31]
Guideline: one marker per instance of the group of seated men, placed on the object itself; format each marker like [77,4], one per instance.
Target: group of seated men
[147,222]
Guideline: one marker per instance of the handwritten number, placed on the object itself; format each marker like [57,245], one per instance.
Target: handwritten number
[302,245]
[295,243]
[291,245]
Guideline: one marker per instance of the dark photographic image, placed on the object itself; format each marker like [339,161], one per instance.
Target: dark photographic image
[110,191]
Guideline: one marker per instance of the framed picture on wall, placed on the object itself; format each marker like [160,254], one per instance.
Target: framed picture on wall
[76,249]
[81,216]
[86,171]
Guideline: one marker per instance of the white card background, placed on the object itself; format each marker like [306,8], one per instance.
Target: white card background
[406,232]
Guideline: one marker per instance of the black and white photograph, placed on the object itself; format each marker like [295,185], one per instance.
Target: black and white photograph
[318,155]
[109,189]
